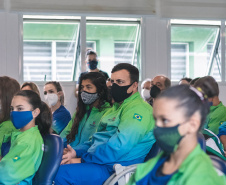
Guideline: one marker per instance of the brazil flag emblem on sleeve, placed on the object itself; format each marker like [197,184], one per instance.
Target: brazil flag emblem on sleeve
[137,116]
[16,158]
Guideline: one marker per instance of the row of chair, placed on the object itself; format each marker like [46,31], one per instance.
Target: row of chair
[53,151]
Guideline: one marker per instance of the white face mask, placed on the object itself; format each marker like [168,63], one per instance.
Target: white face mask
[145,93]
[51,99]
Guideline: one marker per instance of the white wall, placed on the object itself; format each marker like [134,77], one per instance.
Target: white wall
[155,30]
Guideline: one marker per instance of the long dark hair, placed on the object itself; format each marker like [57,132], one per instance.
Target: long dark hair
[98,80]
[189,100]
[8,88]
[44,119]
[58,88]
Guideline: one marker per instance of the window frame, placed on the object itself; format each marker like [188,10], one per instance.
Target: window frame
[82,20]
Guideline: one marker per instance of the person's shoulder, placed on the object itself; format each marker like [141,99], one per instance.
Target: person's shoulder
[30,136]
[139,103]
[201,164]
[200,169]
[105,74]
[61,112]
[7,126]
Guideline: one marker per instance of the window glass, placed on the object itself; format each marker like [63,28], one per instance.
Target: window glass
[195,51]
[116,41]
[50,48]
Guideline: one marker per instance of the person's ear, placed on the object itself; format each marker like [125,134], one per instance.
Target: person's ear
[60,93]
[210,99]
[194,123]
[191,126]
[135,85]
[36,112]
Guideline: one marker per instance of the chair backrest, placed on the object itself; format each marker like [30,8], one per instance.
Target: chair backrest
[202,141]
[121,175]
[219,164]
[53,151]
[155,149]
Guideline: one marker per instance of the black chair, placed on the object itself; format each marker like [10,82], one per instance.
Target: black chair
[219,164]
[53,151]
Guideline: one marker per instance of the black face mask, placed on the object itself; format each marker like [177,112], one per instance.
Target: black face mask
[119,93]
[155,91]
[92,64]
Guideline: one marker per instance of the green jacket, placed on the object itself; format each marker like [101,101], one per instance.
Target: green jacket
[87,126]
[6,128]
[196,169]
[215,118]
[125,134]
[23,159]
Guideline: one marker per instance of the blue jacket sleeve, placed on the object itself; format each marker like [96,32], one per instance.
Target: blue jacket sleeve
[130,132]
[222,129]
[82,148]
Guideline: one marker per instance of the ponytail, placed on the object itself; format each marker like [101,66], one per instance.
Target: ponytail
[44,119]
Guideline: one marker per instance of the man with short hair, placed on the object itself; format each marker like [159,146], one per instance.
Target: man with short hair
[91,62]
[124,136]
[161,81]
[158,84]
[185,81]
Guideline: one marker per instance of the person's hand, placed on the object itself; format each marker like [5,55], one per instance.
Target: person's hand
[74,161]
[65,151]
[71,153]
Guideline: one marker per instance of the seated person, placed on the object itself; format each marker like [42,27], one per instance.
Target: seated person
[92,103]
[192,82]
[222,135]
[30,86]
[125,134]
[91,63]
[54,96]
[185,81]
[145,89]
[33,119]
[179,112]
[217,114]
[8,88]
[158,84]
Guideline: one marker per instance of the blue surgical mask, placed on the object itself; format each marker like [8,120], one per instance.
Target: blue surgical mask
[21,119]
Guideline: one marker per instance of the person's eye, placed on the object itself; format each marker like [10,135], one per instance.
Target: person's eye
[51,92]
[11,109]
[19,109]
[165,121]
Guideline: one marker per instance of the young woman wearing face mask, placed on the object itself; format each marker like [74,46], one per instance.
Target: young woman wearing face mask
[8,88]
[93,102]
[33,119]
[54,96]
[180,112]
